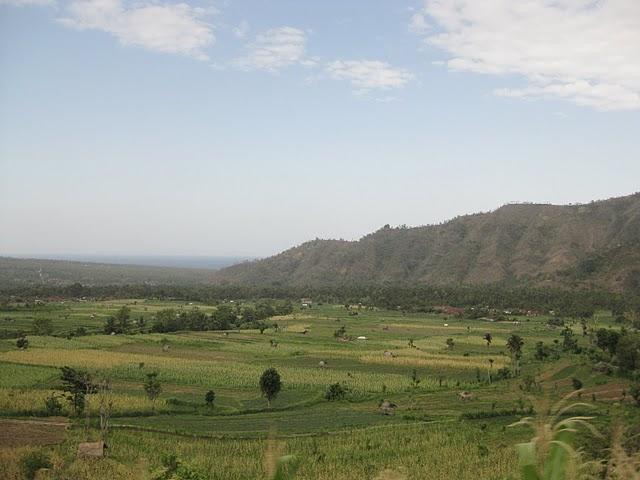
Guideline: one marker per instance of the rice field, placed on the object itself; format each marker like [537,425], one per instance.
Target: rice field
[405,359]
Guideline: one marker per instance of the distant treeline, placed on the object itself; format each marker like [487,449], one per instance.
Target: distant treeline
[391,296]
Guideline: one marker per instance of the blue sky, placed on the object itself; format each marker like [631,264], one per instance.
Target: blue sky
[243,128]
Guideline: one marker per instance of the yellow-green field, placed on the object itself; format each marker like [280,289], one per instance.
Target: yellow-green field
[426,437]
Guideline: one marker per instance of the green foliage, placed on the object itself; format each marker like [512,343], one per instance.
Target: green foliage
[31,462]
[286,468]
[628,352]
[22,343]
[335,392]
[209,398]
[576,383]
[569,343]
[173,469]
[514,345]
[542,351]
[270,384]
[152,386]
[77,383]
[52,405]
[42,326]
[550,454]
[607,340]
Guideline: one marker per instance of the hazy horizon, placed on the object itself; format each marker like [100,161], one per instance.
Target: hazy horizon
[244,128]
[208,260]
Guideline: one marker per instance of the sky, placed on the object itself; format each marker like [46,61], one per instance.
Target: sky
[246,127]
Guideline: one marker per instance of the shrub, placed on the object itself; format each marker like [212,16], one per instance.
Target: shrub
[576,383]
[335,392]
[31,462]
[53,405]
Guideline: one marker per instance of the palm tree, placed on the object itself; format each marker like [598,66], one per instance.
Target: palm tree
[514,345]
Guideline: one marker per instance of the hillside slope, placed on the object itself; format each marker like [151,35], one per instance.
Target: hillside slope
[596,243]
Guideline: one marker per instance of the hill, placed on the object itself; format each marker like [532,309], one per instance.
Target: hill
[569,245]
[17,272]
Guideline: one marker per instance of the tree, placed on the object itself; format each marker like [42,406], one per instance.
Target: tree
[542,351]
[223,318]
[153,388]
[270,384]
[628,352]
[514,345]
[450,343]
[340,333]
[22,343]
[42,326]
[335,392]
[209,398]
[78,384]
[122,319]
[607,340]
[569,343]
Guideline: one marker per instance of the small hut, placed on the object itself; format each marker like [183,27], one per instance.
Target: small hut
[388,408]
[92,449]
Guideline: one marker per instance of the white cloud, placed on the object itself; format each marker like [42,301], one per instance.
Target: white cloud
[367,75]
[241,30]
[418,23]
[275,49]
[27,3]
[168,28]
[583,51]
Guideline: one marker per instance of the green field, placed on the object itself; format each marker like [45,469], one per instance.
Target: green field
[349,438]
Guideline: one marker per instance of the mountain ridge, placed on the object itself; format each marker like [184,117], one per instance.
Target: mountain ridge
[542,244]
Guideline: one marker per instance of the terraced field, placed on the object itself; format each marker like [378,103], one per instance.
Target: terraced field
[423,380]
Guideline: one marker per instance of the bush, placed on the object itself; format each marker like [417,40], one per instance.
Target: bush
[335,392]
[53,405]
[31,462]
[577,383]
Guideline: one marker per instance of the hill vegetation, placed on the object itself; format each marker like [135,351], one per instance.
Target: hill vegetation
[594,245]
[30,272]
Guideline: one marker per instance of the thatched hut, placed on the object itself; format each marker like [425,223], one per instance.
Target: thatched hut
[92,449]
[388,408]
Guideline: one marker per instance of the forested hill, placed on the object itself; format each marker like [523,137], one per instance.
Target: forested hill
[30,272]
[590,244]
